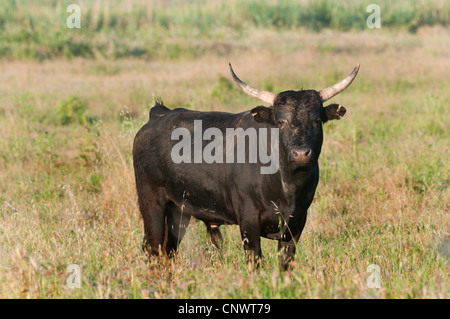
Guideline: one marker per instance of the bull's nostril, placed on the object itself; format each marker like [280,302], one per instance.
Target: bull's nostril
[308,152]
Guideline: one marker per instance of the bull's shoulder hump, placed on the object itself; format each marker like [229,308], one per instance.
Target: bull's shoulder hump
[158,110]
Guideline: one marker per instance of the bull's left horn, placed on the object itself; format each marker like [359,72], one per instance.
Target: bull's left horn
[334,90]
[265,96]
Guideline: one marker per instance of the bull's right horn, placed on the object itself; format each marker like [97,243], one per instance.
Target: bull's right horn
[265,96]
[337,88]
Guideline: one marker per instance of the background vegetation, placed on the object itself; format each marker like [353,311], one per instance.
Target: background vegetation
[155,29]
[71,101]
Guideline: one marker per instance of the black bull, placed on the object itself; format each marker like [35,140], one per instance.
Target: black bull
[273,205]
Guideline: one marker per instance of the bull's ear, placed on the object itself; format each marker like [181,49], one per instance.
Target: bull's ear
[333,112]
[263,114]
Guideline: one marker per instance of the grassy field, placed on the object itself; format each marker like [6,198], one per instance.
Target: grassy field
[67,123]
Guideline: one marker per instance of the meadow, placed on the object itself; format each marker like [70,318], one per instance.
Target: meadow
[72,100]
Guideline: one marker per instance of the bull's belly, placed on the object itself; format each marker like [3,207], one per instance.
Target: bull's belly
[271,228]
[215,206]
[271,223]
[211,210]
[211,216]
[205,201]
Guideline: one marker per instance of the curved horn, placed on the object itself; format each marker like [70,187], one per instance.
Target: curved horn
[265,96]
[333,90]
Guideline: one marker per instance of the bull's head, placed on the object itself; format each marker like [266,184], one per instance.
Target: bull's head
[299,116]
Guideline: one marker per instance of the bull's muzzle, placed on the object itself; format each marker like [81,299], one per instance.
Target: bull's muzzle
[301,156]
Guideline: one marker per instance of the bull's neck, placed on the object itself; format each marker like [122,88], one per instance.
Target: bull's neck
[292,179]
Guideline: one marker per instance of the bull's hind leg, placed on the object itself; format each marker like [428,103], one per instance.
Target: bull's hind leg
[176,224]
[214,234]
[152,203]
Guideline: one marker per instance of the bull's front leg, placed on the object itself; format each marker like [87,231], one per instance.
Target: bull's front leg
[250,234]
[286,249]
[287,244]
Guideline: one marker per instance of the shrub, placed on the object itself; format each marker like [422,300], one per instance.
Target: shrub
[72,110]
